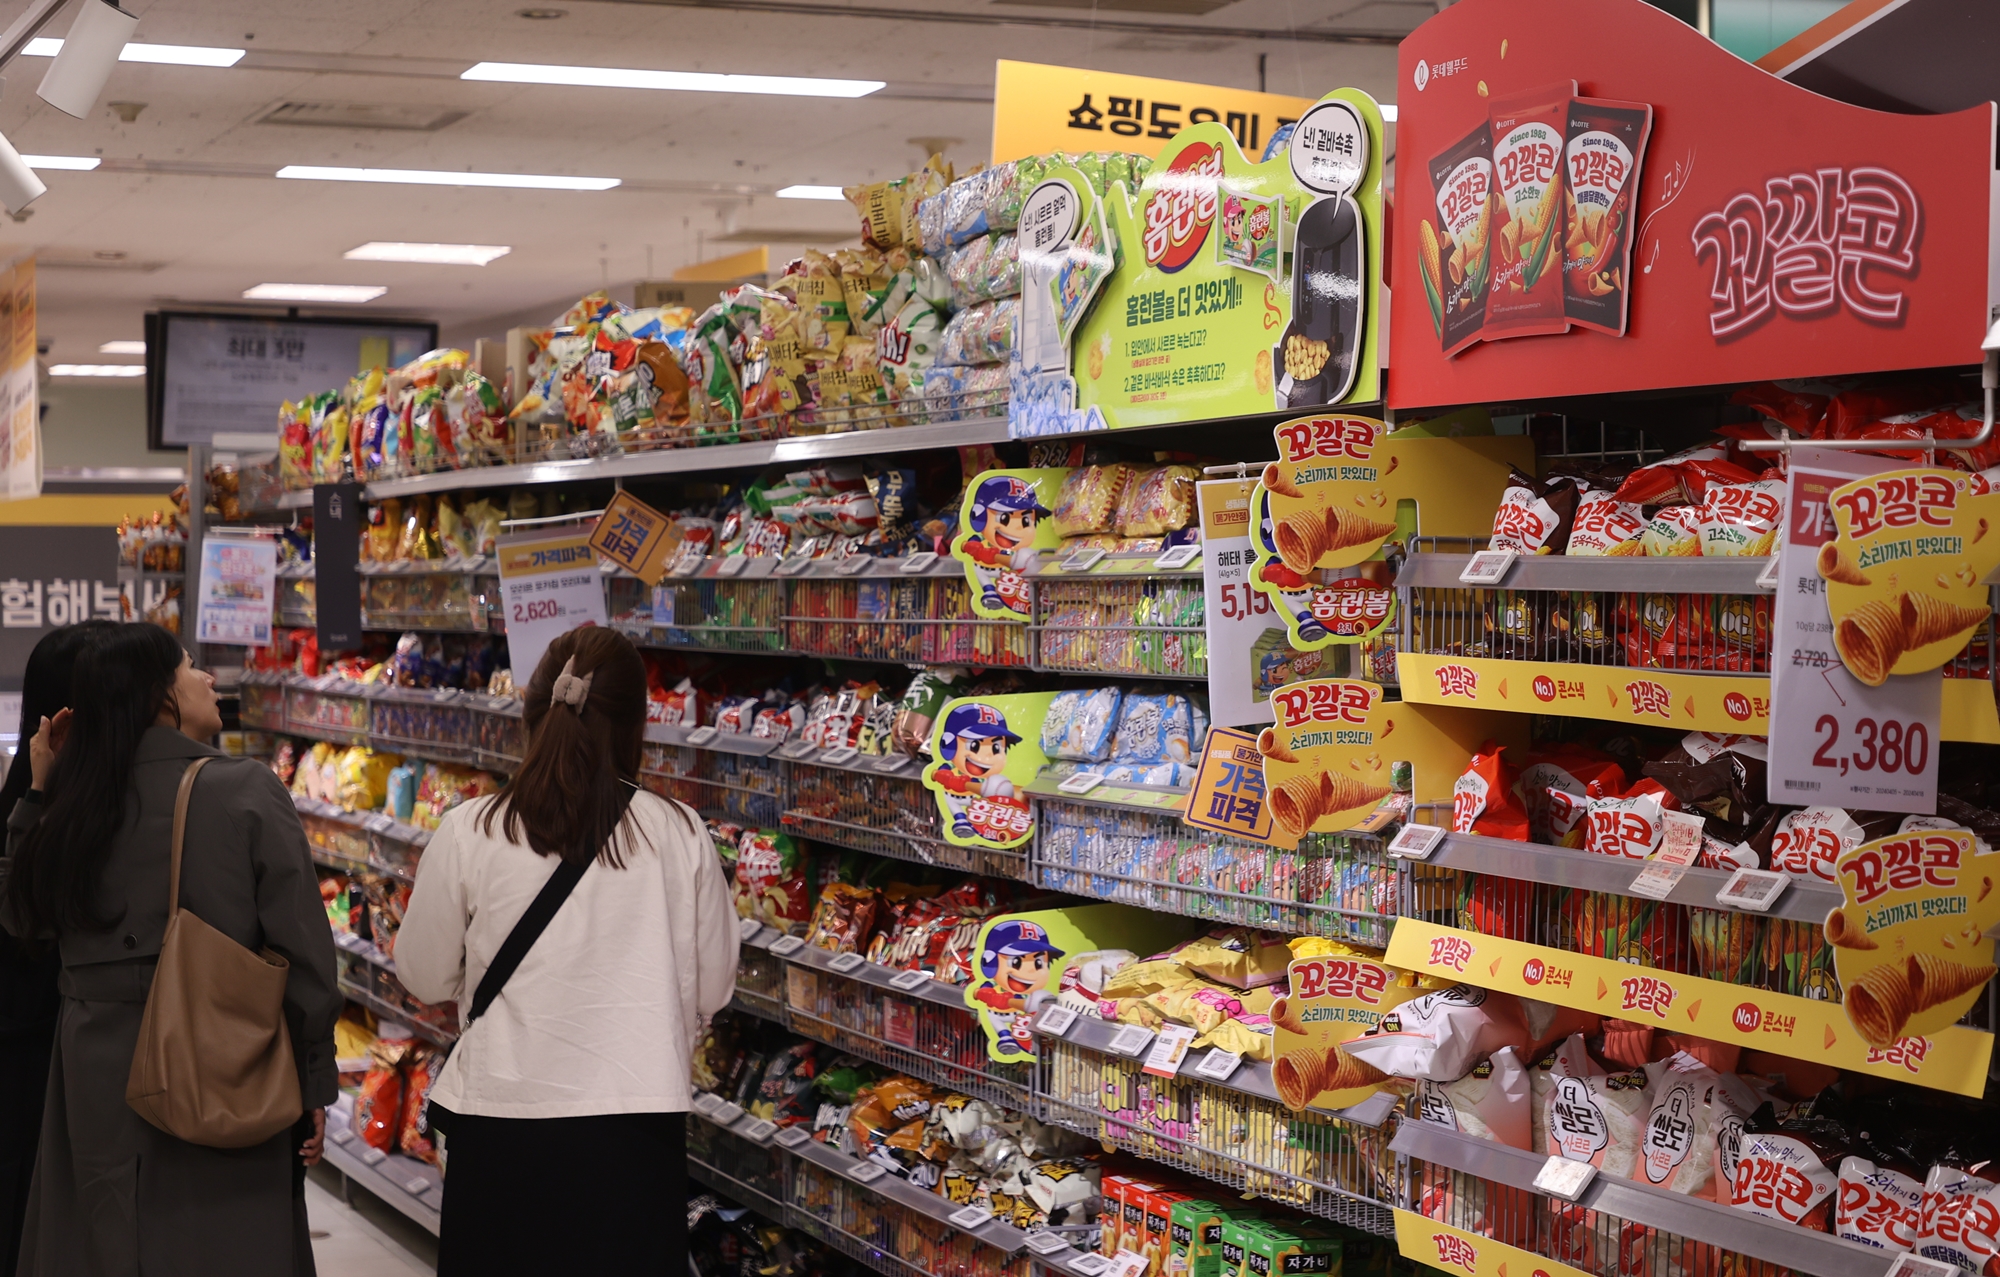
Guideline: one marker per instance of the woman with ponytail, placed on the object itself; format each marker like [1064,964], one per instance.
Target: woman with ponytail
[584,929]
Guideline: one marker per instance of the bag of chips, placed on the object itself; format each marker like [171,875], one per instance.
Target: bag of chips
[1441,1035]
[1879,1206]
[1558,781]
[1087,502]
[1783,1172]
[1959,1222]
[378,1107]
[1742,520]
[420,1071]
[1484,801]
[1674,532]
[1630,824]
[1491,1102]
[1534,517]
[1606,526]
[1681,479]
[1693,1106]
[1157,501]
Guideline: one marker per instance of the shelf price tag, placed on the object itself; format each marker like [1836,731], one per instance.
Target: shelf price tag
[853,565]
[1679,847]
[705,1104]
[1081,561]
[1561,1177]
[864,1172]
[1048,1242]
[1131,1040]
[1127,1264]
[685,565]
[1754,890]
[785,946]
[732,565]
[1178,557]
[892,763]
[1218,1064]
[748,930]
[1089,1265]
[701,735]
[918,562]
[1170,1048]
[728,1114]
[794,565]
[1055,1021]
[1416,842]
[840,757]
[846,963]
[760,1131]
[373,1156]
[1908,1265]
[1081,783]
[969,1218]
[910,980]
[792,1136]
[1768,578]
[340,1135]
[797,749]
[416,1185]
[1488,567]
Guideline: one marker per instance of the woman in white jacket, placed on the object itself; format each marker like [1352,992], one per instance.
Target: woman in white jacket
[564,1103]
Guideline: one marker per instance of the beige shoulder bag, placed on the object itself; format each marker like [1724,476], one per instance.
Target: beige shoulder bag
[214,1062]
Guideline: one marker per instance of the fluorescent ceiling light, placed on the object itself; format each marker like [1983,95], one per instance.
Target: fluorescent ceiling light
[183,55]
[810,193]
[98,370]
[122,348]
[688,81]
[441,254]
[81,163]
[315,292]
[431,177]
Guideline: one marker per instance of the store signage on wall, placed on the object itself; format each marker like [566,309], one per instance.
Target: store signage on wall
[1825,239]
[53,576]
[20,403]
[549,585]
[1038,109]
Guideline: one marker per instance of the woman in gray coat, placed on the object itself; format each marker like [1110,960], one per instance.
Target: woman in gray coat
[113,1195]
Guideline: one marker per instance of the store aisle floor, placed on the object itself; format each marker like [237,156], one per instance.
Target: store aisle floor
[367,1239]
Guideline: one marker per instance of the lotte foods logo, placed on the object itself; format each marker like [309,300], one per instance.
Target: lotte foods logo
[1181,208]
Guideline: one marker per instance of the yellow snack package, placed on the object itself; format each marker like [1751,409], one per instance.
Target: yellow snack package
[1238,956]
[1237,1037]
[1141,978]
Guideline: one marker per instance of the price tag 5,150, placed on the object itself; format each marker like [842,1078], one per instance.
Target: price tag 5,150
[1170,1048]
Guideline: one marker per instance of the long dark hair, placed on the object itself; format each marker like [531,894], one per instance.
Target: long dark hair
[582,767]
[44,694]
[122,680]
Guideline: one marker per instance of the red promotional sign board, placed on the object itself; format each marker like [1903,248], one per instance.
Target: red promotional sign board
[1774,233]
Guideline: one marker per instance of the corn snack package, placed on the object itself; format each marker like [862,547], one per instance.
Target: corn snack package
[1630,824]
[1555,782]
[1784,1171]
[1959,1222]
[1484,801]
[1440,1036]
[1158,500]
[1741,520]
[1606,526]
[1693,1106]
[1879,1206]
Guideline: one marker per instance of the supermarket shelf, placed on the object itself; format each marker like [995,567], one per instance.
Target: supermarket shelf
[1148,798]
[413,1187]
[1003,1237]
[1693,575]
[721,742]
[875,974]
[727,456]
[1804,900]
[736,1190]
[428,1032]
[373,822]
[348,942]
[1728,1229]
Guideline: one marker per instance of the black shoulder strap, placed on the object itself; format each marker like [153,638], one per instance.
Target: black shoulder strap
[541,911]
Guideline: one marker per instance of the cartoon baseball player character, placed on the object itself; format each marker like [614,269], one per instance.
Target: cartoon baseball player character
[1004,510]
[974,747]
[1015,964]
[1295,593]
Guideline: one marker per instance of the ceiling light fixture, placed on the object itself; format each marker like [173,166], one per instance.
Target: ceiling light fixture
[436,254]
[810,193]
[183,55]
[97,370]
[78,163]
[687,81]
[432,177]
[314,292]
[122,348]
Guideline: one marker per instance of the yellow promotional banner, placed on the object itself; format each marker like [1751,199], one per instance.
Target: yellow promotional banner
[1697,702]
[1228,793]
[635,536]
[1456,1251]
[1903,573]
[1334,997]
[1038,109]
[1332,499]
[20,418]
[1909,943]
[1951,1059]
[1330,753]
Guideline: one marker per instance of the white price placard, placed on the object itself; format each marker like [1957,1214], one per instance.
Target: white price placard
[1089,1265]
[733,565]
[1082,561]
[1753,889]
[549,585]
[1081,783]
[840,757]
[1908,1265]
[1656,880]
[794,565]
[909,980]
[792,1136]
[1127,1264]
[1218,1065]
[1834,740]
[865,1173]
[1561,1177]
[1047,1242]
[1245,633]
[1131,1040]
[373,1156]
[1177,558]
[918,562]
[797,749]
[1416,842]
[727,1114]
[340,1134]
[701,736]
[1055,1021]
[892,763]
[846,963]
[747,930]
[1170,1048]
[1488,567]
[760,1131]
[969,1218]
[853,565]
[784,946]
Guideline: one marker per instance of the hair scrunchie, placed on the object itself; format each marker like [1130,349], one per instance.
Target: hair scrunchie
[571,688]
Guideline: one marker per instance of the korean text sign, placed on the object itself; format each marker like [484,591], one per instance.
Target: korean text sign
[549,585]
[1039,108]
[633,535]
[54,576]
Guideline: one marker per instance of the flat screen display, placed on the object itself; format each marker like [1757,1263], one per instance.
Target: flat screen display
[209,374]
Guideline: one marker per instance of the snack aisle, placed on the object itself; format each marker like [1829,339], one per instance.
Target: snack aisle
[1358,821]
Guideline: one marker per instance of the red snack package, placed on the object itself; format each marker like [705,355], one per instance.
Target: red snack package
[1800,406]
[1681,479]
[1529,134]
[378,1109]
[1568,770]
[1483,800]
[1604,154]
[420,1071]
[1853,411]
[1534,517]
[1607,526]
[1785,1170]
[1630,824]
[1457,258]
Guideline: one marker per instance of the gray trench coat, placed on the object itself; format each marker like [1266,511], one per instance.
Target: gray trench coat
[113,1195]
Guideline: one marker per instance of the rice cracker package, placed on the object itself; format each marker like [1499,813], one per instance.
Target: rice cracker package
[1529,137]
[1605,153]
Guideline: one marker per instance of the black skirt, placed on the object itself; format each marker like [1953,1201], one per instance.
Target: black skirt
[601,1194]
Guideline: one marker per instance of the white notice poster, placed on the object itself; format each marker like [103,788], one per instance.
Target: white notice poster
[238,590]
[549,584]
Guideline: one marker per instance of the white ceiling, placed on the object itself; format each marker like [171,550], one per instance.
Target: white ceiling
[186,189]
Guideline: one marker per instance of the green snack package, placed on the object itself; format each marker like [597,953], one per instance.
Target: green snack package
[1234,1243]
[1194,1238]
[1279,1250]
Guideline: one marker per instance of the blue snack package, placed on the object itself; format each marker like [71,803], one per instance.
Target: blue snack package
[1141,729]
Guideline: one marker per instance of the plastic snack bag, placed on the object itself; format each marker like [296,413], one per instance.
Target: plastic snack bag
[1484,801]
[1742,519]
[1088,500]
[1879,1206]
[1607,526]
[1783,1172]
[1440,1036]
[1491,1102]
[1535,517]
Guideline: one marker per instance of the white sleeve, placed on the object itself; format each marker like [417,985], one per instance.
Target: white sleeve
[716,931]
[430,946]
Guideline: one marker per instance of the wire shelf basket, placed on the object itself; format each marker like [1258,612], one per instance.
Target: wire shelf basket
[1142,627]
[916,620]
[944,1044]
